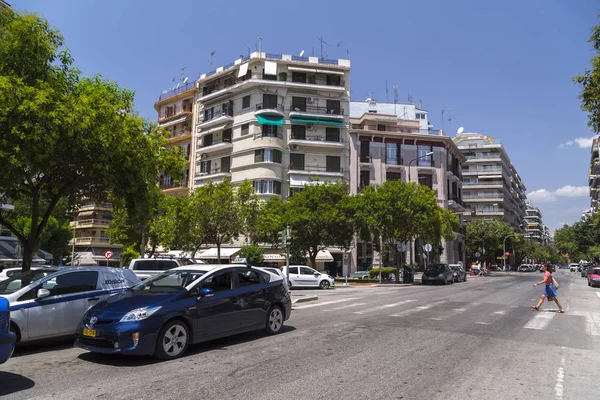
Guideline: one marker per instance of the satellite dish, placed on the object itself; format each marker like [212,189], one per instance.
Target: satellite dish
[185,80]
[460,130]
[177,87]
[301,53]
[368,100]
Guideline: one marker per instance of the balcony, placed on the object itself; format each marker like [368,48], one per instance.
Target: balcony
[179,90]
[89,223]
[179,136]
[212,174]
[95,206]
[173,185]
[310,170]
[215,146]
[317,113]
[89,240]
[456,204]
[169,118]
[216,116]
[316,141]
[272,110]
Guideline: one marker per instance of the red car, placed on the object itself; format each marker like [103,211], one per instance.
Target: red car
[594,277]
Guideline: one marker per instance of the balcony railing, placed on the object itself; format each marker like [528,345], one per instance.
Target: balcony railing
[92,206]
[188,108]
[317,138]
[263,106]
[216,113]
[172,185]
[214,171]
[457,200]
[175,92]
[213,143]
[483,196]
[317,110]
[316,169]
[104,222]
[90,239]
[177,134]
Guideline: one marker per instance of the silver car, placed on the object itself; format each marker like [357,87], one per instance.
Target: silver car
[50,302]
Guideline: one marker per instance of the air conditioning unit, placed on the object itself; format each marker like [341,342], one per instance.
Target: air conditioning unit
[310,99]
[294,147]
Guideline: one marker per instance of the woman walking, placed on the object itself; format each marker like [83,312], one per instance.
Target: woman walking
[550,291]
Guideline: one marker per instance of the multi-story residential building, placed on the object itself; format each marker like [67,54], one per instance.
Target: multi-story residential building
[387,146]
[175,114]
[535,227]
[90,241]
[594,175]
[4,4]
[492,186]
[547,239]
[280,121]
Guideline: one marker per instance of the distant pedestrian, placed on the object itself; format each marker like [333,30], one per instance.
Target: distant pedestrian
[550,291]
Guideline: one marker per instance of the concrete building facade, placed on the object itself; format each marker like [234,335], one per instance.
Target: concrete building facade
[388,146]
[594,175]
[535,230]
[492,187]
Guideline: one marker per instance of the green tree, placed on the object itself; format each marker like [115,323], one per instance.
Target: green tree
[487,237]
[253,254]
[319,217]
[589,83]
[63,135]
[270,222]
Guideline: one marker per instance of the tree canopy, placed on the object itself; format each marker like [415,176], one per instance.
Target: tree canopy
[589,83]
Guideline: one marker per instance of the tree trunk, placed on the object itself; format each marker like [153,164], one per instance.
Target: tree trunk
[28,249]
[218,253]
[398,266]
[313,258]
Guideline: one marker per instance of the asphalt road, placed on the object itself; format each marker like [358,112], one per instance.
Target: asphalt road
[473,340]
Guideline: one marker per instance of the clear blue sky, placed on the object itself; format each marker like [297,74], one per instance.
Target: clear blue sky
[504,68]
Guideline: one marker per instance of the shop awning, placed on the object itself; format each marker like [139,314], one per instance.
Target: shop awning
[270,68]
[270,120]
[243,70]
[317,121]
[323,256]
[226,253]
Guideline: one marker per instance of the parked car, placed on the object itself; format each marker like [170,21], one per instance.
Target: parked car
[164,314]
[458,272]
[279,273]
[50,302]
[361,274]
[8,272]
[145,268]
[584,269]
[573,267]
[437,273]
[593,276]
[303,276]
[7,338]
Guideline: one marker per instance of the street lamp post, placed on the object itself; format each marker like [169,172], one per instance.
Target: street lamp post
[504,247]
[412,161]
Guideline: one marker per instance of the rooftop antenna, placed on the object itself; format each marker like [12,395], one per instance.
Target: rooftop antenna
[395,99]
[337,53]
[348,54]
[301,53]
[460,130]
[322,43]
[210,59]
[248,47]
[444,110]
[410,98]
[387,96]
[259,45]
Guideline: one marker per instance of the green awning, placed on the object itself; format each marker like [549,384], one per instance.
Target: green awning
[316,121]
[270,120]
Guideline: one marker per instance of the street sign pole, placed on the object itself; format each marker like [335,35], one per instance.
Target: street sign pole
[287,251]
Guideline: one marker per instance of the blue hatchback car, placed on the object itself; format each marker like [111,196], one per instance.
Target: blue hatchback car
[7,338]
[185,305]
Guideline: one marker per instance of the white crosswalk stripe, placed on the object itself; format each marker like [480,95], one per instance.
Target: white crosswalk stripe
[383,307]
[325,303]
[540,321]
[417,309]
[346,306]
[592,321]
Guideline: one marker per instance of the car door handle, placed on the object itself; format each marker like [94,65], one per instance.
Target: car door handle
[94,298]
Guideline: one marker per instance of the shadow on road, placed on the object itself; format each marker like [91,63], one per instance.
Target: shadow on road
[43,346]
[12,383]
[121,360]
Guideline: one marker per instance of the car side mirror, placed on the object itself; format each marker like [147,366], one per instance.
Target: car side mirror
[41,293]
[317,274]
[206,292]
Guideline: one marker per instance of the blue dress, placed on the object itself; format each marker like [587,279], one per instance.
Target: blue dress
[550,292]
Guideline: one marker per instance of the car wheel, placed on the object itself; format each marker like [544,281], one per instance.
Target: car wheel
[173,340]
[589,284]
[324,284]
[274,320]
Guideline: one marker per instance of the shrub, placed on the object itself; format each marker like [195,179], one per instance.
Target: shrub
[385,273]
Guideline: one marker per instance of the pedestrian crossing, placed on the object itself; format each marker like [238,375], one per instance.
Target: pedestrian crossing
[441,310]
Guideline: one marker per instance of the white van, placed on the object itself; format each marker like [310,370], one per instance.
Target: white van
[145,268]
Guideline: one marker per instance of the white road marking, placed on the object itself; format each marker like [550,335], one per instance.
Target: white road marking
[459,309]
[325,303]
[560,376]
[482,323]
[416,309]
[383,307]
[540,320]
[598,293]
[592,321]
[346,306]
[501,312]
[437,319]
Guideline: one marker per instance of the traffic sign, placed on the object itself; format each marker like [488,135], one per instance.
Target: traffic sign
[108,254]
[401,247]
[427,247]
[507,253]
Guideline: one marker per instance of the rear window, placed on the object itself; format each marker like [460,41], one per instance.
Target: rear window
[145,265]
[438,268]
[164,265]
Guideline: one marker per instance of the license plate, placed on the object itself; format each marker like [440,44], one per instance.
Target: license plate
[89,332]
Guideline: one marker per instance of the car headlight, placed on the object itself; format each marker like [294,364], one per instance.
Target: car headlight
[139,314]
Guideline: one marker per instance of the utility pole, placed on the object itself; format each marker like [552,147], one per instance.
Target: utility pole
[322,42]
[287,235]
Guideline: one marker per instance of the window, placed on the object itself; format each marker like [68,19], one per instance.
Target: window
[267,155]
[299,132]
[424,160]
[248,277]
[332,134]
[226,164]
[74,282]
[333,164]
[365,155]
[334,80]
[164,265]
[269,130]
[333,107]
[245,129]
[269,101]
[392,152]
[293,270]
[380,127]
[227,135]
[299,77]
[145,265]
[298,104]
[209,114]
[267,187]
[207,140]
[218,282]
[295,190]
[246,101]
[365,179]
[307,271]
[393,176]
[297,161]
[426,180]
[205,167]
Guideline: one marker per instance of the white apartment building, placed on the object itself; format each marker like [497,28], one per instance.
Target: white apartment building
[535,228]
[387,146]
[492,186]
[278,120]
[594,175]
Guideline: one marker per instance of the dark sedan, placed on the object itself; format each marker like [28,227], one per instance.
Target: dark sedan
[438,273]
[459,273]
[186,305]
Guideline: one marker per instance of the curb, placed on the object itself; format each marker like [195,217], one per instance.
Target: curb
[305,299]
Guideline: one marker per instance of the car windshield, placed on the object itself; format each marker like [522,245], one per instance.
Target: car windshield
[596,271]
[169,282]
[19,281]
[436,268]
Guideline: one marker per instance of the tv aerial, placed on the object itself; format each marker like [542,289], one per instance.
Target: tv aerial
[460,130]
